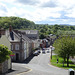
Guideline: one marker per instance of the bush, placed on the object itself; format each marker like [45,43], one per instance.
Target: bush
[4,53]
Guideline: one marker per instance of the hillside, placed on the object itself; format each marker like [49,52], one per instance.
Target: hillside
[16,22]
[44,29]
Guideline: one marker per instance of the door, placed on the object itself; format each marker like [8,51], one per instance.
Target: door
[17,56]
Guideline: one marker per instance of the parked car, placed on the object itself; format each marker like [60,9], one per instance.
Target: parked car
[36,53]
[39,51]
[48,51]
[43,51]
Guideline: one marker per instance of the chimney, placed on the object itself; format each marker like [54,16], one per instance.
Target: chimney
[10,28]
[11,33]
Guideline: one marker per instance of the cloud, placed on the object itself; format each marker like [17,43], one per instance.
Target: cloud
[41,14]
[66,4]
[54,11]
[50,3]
[28,2]
[3,7]
[71,13]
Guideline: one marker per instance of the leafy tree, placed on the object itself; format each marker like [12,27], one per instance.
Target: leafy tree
[4,53]
[65,48]
[42,36]
[42,30]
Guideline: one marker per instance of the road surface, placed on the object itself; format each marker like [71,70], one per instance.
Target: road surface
[40,65]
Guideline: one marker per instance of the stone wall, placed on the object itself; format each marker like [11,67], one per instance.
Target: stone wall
[0,67]
[4,67]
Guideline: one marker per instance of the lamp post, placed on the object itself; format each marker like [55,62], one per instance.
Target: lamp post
[11,60]
[51,51]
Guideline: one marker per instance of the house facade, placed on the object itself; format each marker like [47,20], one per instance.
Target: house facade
[36,43]
[34,36]
[5,66]
[21,45]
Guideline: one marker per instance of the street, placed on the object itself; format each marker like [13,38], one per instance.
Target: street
[38,65]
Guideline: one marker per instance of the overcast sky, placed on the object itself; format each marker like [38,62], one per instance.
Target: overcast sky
[40,11]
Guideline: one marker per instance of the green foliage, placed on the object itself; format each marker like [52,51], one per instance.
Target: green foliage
[60,63]
[16,22]
[42,36]
[4,53]
[44,29]
[64,47]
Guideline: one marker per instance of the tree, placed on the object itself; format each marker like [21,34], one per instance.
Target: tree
[4,53]
[42,36]
[65,48]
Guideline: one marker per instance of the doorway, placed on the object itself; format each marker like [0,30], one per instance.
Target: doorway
[17,56]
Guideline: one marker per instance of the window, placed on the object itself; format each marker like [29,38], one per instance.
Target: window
[11,47]
[24,45]
[17,47]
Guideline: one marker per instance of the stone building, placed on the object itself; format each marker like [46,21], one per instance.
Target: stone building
[5,66]
[31,34]
[21,45]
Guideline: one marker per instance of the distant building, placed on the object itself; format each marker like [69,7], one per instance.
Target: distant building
[51,38]
[36,43]
[31,34]
[44,43]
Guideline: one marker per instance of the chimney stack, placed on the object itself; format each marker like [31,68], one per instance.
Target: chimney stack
[10,28]
[11,33]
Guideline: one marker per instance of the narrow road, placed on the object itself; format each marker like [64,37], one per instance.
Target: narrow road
[40,65]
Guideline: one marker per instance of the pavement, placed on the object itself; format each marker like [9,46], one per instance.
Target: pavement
[17,68]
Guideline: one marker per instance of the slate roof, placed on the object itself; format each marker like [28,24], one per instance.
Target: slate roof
[30,31]
[24,37]
[17,36]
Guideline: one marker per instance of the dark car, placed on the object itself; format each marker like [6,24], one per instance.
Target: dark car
[39,51]
[43,51]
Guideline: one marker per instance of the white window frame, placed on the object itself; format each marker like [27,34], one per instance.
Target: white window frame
[16,46]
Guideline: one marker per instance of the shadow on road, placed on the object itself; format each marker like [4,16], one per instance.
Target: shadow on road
[28,59]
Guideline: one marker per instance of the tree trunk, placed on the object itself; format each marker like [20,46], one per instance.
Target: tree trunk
[68,60]
[63,62]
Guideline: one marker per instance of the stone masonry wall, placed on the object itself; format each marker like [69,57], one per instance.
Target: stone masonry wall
[4,67]
[0,67]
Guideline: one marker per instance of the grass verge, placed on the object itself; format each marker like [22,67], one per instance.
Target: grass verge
[60,62]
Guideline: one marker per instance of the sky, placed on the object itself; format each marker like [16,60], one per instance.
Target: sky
[40,11]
